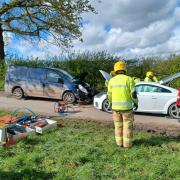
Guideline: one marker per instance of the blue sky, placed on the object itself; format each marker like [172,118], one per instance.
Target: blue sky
[126,28]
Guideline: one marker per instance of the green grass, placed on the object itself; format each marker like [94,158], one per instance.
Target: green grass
[1,84]
[87,150]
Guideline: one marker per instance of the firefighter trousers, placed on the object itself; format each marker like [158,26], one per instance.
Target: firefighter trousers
[123,122]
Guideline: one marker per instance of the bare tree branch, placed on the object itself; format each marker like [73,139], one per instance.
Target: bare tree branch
[60,19]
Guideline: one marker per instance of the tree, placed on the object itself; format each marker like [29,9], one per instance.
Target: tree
[59,19]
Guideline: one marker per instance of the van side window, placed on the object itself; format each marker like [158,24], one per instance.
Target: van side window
[18,73]
[53,77]
[36,74]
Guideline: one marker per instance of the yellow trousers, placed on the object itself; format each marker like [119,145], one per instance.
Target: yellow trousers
[123,122]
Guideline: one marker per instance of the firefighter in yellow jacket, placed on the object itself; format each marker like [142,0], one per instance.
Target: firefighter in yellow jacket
[122,97]
[150,77]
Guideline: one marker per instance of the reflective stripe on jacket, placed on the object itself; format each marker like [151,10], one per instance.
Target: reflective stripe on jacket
[120,90]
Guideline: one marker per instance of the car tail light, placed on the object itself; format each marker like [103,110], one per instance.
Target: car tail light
[178,98]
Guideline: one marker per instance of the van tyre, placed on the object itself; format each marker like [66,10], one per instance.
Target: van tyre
[174,111]
[18,93]
[69,97]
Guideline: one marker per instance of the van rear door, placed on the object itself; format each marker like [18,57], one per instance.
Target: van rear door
[54,88]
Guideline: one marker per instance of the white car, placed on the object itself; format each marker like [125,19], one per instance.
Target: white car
[153,97]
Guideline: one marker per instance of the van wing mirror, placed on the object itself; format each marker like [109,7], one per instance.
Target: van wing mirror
[60,80]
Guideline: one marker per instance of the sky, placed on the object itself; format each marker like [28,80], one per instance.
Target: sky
[124,28]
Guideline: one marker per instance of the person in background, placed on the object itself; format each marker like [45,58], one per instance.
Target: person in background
[150,77]
[112,74]
[136,80]
[122,97]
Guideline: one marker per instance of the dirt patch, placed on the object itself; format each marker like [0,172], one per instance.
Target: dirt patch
[163,129]
[156,128]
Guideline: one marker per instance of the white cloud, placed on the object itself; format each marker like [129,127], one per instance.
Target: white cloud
[138,27]
[131,15]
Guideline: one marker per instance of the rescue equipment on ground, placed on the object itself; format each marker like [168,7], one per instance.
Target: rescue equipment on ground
[13,128]
[7,119]
[3,133]
[63,107]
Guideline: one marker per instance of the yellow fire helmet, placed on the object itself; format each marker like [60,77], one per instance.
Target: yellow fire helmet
[120,66]
[149,74]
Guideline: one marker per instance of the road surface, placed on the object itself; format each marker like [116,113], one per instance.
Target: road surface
[151,123]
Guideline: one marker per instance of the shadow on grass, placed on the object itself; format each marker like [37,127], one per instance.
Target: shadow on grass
[26,174]
[33,141]
[155,141]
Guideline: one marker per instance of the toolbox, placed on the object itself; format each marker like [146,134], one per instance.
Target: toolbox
[43,125]
[3,133]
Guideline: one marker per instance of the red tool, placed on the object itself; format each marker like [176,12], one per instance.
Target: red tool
[8,119]
[61,106]
[178,98]
[40,124]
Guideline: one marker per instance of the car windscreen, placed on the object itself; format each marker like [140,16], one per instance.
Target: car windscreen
[66,75]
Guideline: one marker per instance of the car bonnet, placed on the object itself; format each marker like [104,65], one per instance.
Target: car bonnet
[105,75]
[170,78]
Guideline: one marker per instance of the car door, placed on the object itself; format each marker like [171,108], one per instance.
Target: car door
[54,85]
[35,82]
[153,98]
[147,99]
[162,95]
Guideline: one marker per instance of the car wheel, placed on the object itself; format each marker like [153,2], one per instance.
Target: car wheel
[106,107]
[69,97]
[18,93]
[174,111]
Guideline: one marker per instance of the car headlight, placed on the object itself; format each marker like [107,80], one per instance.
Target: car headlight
[82,89]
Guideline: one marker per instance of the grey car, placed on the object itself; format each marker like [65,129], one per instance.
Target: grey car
[45,82]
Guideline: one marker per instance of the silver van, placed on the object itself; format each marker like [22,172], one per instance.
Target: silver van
[46,82]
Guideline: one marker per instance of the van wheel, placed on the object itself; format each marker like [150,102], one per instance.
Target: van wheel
[18,93]
[69,97]
[174,111]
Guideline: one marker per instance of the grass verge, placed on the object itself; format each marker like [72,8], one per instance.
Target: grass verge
[87,150]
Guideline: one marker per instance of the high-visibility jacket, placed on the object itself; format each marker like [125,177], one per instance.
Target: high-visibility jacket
[121,90]
[106,83]
[137,80]
[153,79]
